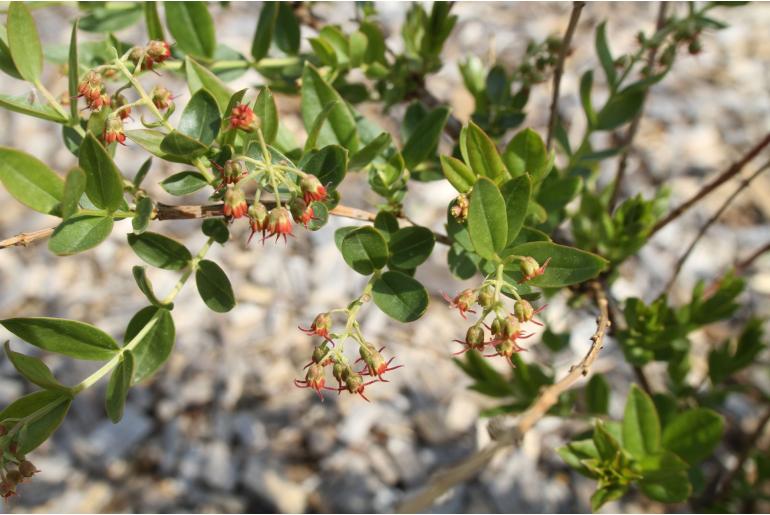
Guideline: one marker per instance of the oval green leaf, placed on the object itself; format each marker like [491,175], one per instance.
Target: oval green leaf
[157,343]
[33,369]
[117,388]
[265,108]
[201,118]
[457,173]
[184,183]
[399,296]
[694,434]
[74,187]
[160,251]
[516,193]
[487,220]
[410,247]
[104,183]
[30,181]
[364,250]
[79,233]
[192,27]
[53,403]
[641,426]
[340,127]
[483,157]
[214,287]
[24,42]
[68,337]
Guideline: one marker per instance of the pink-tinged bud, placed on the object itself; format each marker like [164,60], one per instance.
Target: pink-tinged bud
[355,384]
[257,218]
[91,85]
[113,130]
[320,354]
[375,363]
[279,223]
[312,189]
[119,101]
[235,203]
[530,268]
[161,97]
[7,489]
[154,52]
[460,208]
[27,469]
[321,326]
[242,117]
[301,212]
[313,379]
[463,301]
[523,311]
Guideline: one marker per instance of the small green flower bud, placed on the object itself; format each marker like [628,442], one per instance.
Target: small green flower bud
[523,311]
[486,297]
[475,336]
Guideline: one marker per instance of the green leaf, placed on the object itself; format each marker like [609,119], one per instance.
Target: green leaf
[399,296]
[287,32]
[457,173]
[641,427]
[516,194]
[142,217]
[605,56]
[312,136]
[365,250]
[265,108]
[184,183]
[340,128]
[387,224]
[214,287]
[30,181]
[154,348]
[117,388]
[264,33]
[73,69]
[483,157]
[160,251]
[114,16]
[199,77]
[487,220]
[192,27]
[150,140]
[410,247]
[68,337]
[367,154]
[526,153]
[104,183]
[176,143]
[598,395]
[425,137]
[664,478]
[328,164]
[145,286]
[6,61]
[340,234]
[216,228]
[33,369]
[586,84]
[694,434]
[54,405]
[324,51]
[24,42]
[201,118]
[568,265]
[79,233]
[606,494]
[23,104]
[621,108]
[74,187]
[152,20]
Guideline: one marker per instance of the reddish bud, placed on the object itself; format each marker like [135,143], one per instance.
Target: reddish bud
[463,301]
[312,189]
[235,203]
[375,363]
[242,117]
[313,379]
[113,130]
[530,268]
[257,218]
[119,101]
[301,212]
[279,223]
[161,97]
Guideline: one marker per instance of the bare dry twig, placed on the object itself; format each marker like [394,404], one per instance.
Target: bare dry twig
[577,7]
[504,437]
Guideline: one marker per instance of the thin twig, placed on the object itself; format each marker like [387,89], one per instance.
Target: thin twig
[733,170]
[167,212]
[468,468]
[634,127]
[726,484]
[745,264]
[742,186]
[577,7]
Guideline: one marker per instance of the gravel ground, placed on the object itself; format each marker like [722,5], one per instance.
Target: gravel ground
[222,429]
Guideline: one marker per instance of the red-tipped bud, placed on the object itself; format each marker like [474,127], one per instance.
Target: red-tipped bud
[530,268]
[257,218]
[113,130]
[313,379]
[242,117]
[463,301]
[232,171]
[523,311]
[158,51]
[301,212]
[312,189]
[90,87]
[119,101]
[320,354]
[321,326]
[279,223]
[235,202]
[375,363]
[161,97]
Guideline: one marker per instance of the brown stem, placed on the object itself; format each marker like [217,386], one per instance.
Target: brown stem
[733,170]
[577,7]
[744,265]
[742,186]
[446,479]
[634,127]
[167,212]
[453,125]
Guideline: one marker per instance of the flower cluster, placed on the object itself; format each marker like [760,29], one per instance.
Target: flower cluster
[154,53]
[505,329]
[91,88]
[14,468]
[328,354]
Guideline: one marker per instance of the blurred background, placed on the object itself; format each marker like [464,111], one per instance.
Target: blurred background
[221,428]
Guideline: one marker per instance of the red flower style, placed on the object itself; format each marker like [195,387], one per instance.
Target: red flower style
[302,212]
[235,203]
[474,340]
[508,330]
[524,312]
[161,97]
[278,223]
[313,379]
[124,112]
[463,301]
[355,384]
[375,363]
[257,219]
[530,268]
[242,117]
[320,356]
[321,326]
[312,189]
[156,52]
